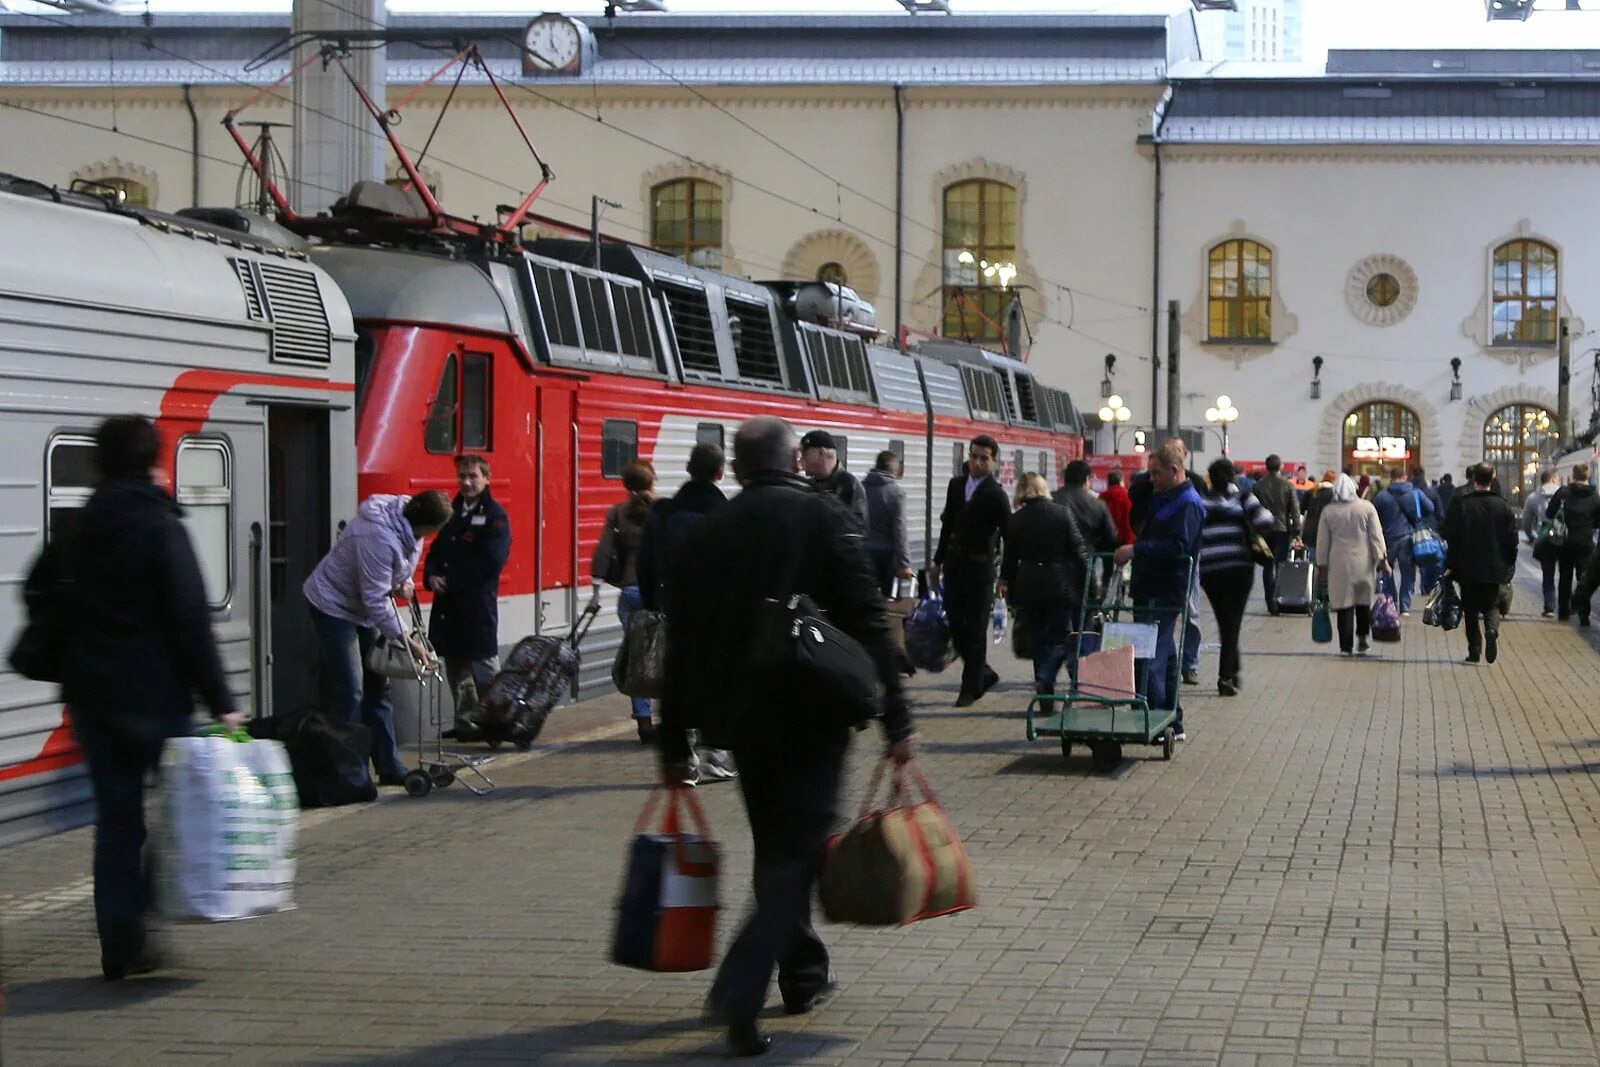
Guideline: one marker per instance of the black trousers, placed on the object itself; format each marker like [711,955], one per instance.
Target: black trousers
[882,559]
[1361,615]
[119,760]
[968,604]
[1279,540]
[1229,592]
[791,794]
[1570,566]
[1480,604]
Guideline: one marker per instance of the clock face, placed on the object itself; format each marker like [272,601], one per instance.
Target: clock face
[552,44]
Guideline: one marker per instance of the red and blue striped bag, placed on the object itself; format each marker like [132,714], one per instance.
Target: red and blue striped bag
[667,917]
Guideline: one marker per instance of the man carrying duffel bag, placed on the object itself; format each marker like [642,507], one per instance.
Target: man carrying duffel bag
[780,566]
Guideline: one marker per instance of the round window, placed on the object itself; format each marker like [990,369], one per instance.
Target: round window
[1383,289]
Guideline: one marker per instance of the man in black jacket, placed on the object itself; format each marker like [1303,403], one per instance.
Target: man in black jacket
[668,527]
[462,571]
[1481,532]
[1094,519]
[140,649]
[975,515]
[1579,507]
[776,538]
[819,458]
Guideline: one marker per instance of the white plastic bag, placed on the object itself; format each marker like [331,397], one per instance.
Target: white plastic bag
[229,815]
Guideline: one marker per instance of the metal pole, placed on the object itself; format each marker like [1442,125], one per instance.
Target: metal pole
[899,208]
[1174,388]
[1564,383]
[594,229]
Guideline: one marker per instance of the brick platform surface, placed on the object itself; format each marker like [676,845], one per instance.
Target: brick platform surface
[1386,860]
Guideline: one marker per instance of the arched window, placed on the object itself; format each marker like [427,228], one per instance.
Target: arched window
[980,257]
[833,272]
[1515,439]
[1239,292]
[686,220]
[1524,295]
[1382,435]
[125,191]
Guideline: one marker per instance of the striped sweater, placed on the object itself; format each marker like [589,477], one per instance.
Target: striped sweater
[1222,537]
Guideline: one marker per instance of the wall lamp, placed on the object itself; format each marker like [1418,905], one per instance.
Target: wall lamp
[1105,382]
[1455,372]
[1316,377]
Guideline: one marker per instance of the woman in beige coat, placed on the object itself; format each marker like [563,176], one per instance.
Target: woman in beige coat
[1350,552]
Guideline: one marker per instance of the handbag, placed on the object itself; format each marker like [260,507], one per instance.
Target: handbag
[391,657]
[1385,612]
[899,864]
[1321,623]
[810,661]
[40,649]
[667,914]
[640,669]
[1260,551]
[927,634]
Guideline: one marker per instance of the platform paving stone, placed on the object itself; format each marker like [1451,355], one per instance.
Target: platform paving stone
[1369,861]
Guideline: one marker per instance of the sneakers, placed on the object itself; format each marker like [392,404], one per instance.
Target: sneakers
[1191,676]
[714,767]
[1547,614]
[1346,652]
[1180,736]
[1226,688]
[1472,657]
[1362,646]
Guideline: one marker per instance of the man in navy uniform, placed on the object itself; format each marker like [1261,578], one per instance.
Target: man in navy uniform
[463,573]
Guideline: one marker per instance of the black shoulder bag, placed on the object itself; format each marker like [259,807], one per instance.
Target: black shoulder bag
[40,649]
[798,653]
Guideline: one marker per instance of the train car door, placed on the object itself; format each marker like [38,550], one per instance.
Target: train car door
[556,561]
[298,492]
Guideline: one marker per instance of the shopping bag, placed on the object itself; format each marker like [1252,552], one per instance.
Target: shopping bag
[640,669]
[928,634]
[1385,612]
[898,864]
[1321,623]
[227,824]
[667,916]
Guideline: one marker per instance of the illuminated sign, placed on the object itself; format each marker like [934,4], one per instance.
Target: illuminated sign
[1380,448]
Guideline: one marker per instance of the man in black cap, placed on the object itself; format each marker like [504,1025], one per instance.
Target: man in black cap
[819,458]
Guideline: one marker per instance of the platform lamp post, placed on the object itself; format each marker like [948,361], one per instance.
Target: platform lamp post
[1223,416]
[1115,414]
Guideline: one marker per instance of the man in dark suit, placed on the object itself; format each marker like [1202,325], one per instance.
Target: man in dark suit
[462,570]
[779,536]
[975,514]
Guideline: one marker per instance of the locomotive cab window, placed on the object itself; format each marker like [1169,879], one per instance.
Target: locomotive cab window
[461,411]
[710,433]
[619,444]
[205,490]
[71,476]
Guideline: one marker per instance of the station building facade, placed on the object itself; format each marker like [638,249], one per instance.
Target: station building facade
[1374,261]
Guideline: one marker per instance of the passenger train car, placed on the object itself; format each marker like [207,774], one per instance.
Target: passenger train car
[292,378]
[243,351]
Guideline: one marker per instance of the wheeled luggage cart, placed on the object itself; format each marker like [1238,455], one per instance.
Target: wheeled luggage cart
[1106,721]
[441,768]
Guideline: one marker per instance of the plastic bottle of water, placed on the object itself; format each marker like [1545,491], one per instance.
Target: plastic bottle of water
[999,621]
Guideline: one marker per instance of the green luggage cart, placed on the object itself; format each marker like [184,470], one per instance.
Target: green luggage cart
[1106,719]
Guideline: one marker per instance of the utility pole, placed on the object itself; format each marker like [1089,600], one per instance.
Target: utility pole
[1174,388]
[1564,382]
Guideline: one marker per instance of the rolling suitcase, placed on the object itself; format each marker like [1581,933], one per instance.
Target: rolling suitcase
[1294,583]
[537,674]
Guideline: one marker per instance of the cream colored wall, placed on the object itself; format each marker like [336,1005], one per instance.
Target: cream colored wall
[1441,211]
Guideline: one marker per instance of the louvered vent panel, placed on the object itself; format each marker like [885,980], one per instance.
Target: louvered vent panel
[251,286]
[300,325]
[691,321]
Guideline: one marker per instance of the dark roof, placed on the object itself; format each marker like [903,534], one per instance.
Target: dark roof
[1382,112]
[637,49]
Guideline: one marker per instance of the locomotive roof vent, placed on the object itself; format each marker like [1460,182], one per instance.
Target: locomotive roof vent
[379,198]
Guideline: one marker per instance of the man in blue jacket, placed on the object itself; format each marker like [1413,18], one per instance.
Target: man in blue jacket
[1162,557]
[1402,509]
[463,573]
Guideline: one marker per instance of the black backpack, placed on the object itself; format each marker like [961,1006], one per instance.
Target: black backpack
[328,756]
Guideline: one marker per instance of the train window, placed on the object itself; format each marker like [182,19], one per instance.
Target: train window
[477,386]
[205,489]
[1044,466]
[959,451]
[691,323]
[633,322]
[71,476]
[619,444]
[710,433]
[1017,467]
[756,350]
[554,289]
[594,310]
[898,447]
[440,434]
[841,444]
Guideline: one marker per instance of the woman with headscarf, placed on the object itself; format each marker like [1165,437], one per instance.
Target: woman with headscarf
[616,561]
[1350,552]
[1043,571]
[1234,519]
